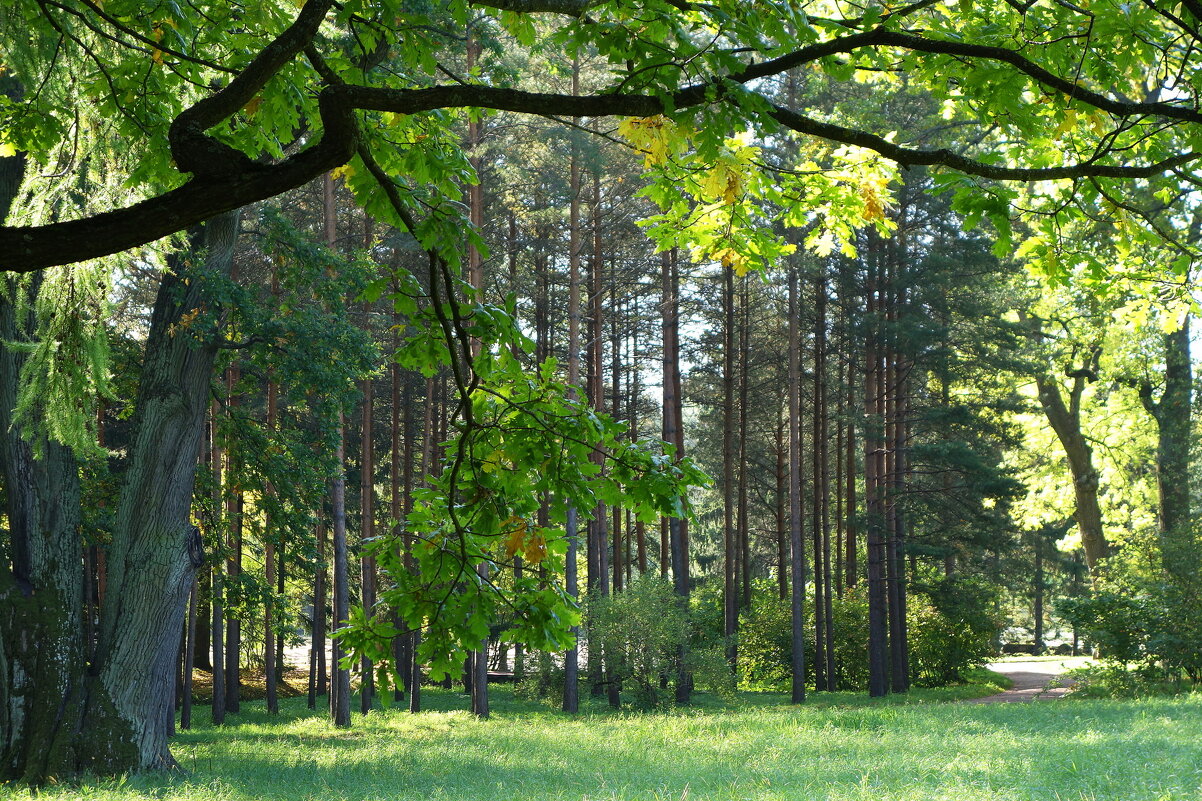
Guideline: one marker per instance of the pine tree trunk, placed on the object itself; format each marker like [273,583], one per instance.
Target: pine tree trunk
[796,539]
[743,526]
[367,563]
[819,436]
[571,690]
[185,714]
[235,507]
[269,557]
[217,578]
[730,544]
[678,553]
[874,480]
[782,501]
[340,685]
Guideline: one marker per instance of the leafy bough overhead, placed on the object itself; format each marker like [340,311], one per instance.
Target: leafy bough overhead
[1131,139]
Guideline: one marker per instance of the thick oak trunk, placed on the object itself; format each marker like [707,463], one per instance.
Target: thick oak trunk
[62,715]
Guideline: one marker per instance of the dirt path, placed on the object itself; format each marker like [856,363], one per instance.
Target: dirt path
[1036,679]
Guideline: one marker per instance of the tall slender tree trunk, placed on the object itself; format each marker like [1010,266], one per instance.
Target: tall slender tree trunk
[744,528]
[678,553]
[796,538]
[819,437]
[269,644]
[782,500]
[730,543]
[874,479]
[217,622]
[1038,587]
[571,690]
[367,562]
[185,714]
[400,481]
[620,560]
[340,685]
[319,680]
[895,434]
[235,508]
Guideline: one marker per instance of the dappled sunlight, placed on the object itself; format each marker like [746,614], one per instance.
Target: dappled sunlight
[1126,751]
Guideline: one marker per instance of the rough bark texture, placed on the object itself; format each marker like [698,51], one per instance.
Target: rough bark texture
[62,715]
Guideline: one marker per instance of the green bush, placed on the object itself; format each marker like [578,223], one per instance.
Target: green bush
[1150,623]
[641,629]
[543,679]
[765,640]
[850,611]
[942,648]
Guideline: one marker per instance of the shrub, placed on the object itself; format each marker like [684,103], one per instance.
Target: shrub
[942,648]
[641,629]
[1152,623]
[765,640]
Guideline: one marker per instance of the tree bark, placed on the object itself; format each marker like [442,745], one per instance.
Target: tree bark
[1065,420]
[796,538]
[62,716]
[730,543]
[1172,414]
[571,690]
[678,549]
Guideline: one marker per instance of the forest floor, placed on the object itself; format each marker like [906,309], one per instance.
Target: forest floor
[756,747]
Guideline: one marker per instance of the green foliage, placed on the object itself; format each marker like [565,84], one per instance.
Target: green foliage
[943,647]
[640,630]
[1110,679]
[765,640]
[1146,621]
[850,642]
[520,435]
[67,356]
[949,635]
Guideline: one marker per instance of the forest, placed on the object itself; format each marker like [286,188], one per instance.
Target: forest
[599,398]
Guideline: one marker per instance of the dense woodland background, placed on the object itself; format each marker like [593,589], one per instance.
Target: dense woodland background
[879,450]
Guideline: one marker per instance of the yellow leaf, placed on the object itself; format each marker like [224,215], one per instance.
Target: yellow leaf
[536,548]
[734,187]
[7,150]
[344,172]
[1068,123]
[156,56]
[252,107]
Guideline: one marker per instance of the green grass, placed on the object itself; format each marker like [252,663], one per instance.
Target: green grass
[838,746]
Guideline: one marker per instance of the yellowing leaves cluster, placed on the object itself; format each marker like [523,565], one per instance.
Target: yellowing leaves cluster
[733,260]
[874,204]
[519,537]
[658,137]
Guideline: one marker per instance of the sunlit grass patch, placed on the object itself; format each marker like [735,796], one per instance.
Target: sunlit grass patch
[838,746]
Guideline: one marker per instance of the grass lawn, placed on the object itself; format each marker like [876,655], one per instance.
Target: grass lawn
[837,746]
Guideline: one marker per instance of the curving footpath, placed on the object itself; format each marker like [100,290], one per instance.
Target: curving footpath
[1035,680]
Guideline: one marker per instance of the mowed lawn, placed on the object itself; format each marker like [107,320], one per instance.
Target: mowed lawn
[837,746]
